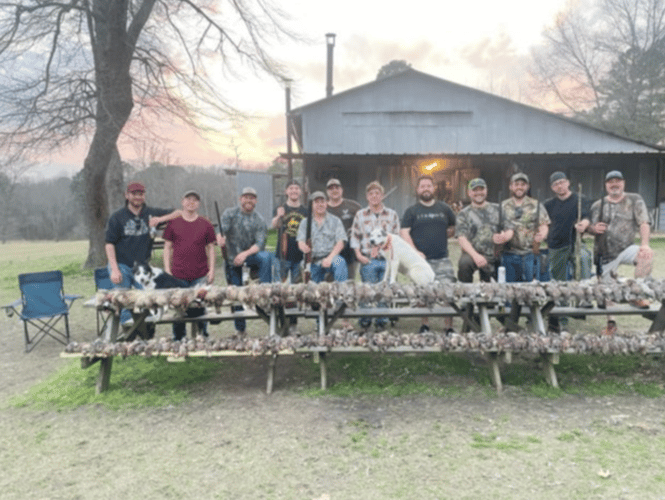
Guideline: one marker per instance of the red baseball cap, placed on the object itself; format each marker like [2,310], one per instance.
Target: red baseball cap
[135,186]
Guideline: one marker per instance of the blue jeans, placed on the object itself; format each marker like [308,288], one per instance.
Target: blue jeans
[180,327]
[281,269]
[338,267]
[127,282]
[519,268]
[261,261]
[373,272]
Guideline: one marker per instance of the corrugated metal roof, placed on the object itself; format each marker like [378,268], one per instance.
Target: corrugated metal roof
[413,113]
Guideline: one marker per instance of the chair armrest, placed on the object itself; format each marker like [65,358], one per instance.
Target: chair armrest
[10,309]
[71,298]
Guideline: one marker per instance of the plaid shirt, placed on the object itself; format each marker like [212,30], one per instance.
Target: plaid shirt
[366,220]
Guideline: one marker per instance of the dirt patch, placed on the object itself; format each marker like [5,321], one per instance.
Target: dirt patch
[234,441]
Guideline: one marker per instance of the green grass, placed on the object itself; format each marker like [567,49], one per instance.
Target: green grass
[135,383]
[140,382]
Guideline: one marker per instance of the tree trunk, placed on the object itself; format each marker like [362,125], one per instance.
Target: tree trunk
[112,54]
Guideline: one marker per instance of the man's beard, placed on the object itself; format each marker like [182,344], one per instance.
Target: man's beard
[426,196]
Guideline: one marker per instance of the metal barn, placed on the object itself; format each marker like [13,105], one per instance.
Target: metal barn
[394,129]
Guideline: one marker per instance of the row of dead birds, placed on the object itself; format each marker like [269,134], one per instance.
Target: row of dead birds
[354,294]
[383,341]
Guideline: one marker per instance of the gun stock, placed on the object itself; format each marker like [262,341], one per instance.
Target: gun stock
[219,222]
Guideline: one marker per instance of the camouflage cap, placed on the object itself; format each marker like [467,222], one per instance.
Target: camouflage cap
[520,176]
[477,182]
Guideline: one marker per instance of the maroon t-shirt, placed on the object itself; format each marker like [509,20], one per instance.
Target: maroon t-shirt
[189,260]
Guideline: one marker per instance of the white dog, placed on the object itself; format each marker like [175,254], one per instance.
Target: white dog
[402,257]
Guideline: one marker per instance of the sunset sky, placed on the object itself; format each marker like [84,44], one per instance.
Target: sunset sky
[480,43]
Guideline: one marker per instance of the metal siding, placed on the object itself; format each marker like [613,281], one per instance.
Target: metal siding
[415,113]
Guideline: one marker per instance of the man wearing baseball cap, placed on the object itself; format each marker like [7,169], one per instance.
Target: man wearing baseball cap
[478,232]
[616,219]
[520,212]
[244,233]
[327,241]
[189,251]
[128,238]
[346,210]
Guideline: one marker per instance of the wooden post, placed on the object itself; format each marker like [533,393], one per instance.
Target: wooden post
[495,373]
[106,364]
[324,372]
[551,359]
[271,372]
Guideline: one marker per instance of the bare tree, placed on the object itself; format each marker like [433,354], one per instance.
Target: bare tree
[606,65]
[73,68]
[12,171]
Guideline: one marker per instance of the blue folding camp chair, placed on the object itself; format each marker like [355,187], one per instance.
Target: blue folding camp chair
[102,282]
[44,303]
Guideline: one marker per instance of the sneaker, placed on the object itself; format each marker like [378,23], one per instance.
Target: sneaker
[641,303]
[240,333]
[423,329]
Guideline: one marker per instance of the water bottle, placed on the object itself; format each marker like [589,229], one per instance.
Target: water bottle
[501,274]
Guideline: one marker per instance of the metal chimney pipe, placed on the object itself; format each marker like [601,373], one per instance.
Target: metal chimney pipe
[330,42]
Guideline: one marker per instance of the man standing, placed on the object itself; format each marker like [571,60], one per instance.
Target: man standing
[375,215]
[563,213]
[128,238]
[520,211]
[327,241]
[346,211]
[244,233]
[288,218]
[189,251]
[426,226]
[562,210]
[479,229]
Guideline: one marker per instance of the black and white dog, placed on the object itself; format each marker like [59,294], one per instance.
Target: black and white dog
[154,278]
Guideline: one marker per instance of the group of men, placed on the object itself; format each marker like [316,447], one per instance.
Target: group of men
[335,237]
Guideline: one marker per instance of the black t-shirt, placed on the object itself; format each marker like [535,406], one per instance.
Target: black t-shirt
[130,234]
[429,226]
[563,216]
[293,216]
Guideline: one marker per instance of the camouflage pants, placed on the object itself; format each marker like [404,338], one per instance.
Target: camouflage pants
[443,269]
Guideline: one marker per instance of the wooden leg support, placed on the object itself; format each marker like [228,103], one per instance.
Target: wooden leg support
[104,374]
[324,372]
[495,373]
[272,360]
[551,359]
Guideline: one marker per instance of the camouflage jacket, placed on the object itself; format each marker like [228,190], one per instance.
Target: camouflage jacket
[522,218]
[478,224]
[623,221]
[243,230]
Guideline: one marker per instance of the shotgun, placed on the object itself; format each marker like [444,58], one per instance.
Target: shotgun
[308,240]
[499,227]
[578,235]
[219,222]
[283,239]
[535,246]
[600,242]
